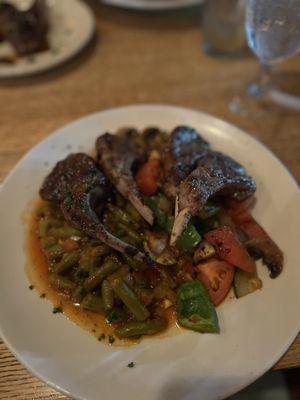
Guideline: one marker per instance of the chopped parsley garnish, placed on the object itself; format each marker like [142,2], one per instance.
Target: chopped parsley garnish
[31,287]
[111,339]
[57,310]
[131,364]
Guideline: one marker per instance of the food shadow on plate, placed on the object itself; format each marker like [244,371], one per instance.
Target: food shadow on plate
[57,71]
[274,385]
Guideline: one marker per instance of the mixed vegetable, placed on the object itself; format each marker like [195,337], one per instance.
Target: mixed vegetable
[214,252]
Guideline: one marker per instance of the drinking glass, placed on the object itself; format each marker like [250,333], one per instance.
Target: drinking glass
[273,34]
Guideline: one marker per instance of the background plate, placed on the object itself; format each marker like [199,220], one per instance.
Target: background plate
[255,330]
[153,4]
[72,25]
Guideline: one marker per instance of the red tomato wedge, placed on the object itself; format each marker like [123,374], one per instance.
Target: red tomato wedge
[229,248]
[147,177]
[217,276]
[262,244]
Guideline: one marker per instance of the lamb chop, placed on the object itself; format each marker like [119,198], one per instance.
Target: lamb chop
[80,187]
[215,175]
[117,155]
[184,149]
[26,30]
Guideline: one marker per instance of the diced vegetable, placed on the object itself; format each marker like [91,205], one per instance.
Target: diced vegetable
[195,310]
[147,177]
[229,248]
[246,283]
[158,248]
[217,277]
[161,208]
[203,252]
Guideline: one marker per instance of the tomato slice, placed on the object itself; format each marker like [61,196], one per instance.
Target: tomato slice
[229,248]
[217,276]
[147,177]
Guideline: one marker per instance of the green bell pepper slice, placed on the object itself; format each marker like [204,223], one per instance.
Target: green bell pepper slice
[188,239]
[195,310]
[160,206]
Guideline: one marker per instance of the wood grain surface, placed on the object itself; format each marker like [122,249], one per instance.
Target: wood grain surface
[139,58]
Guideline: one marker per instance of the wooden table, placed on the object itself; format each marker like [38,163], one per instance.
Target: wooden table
[136,58]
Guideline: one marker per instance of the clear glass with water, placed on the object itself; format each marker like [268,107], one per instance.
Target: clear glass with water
[273,33]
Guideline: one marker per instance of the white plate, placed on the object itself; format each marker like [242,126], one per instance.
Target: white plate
[153,4]
[72,25]
[255,330]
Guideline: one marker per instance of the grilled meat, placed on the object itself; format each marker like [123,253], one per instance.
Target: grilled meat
[80,187]
[184,149]
[118,155]
[26,30]
[216,175]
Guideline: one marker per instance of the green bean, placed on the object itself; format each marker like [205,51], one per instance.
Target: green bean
[110,265]
[93,303]
[121,273]
[41,211]
[48,241]
[119,200]
[135,264]
[107,295]
[78,293]
[90,257]
[130,232]
[133,213]
[68,261]
[129,298]
[61,283]
[140,328]
[121,215]
[64,232]
[44,225]
[128,239]
[54,251]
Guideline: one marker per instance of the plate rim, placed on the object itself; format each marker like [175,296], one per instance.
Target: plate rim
[210,118]
[149,5]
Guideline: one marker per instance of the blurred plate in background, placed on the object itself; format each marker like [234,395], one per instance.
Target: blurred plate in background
[72,25]
[153,4]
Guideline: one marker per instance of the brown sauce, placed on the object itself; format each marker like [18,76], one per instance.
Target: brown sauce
[38,274]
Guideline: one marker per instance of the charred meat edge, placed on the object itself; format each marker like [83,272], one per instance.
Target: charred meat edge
[117,155]
[78,185]
[216,175]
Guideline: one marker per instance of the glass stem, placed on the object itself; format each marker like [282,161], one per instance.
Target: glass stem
[261,86]
[265,78]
